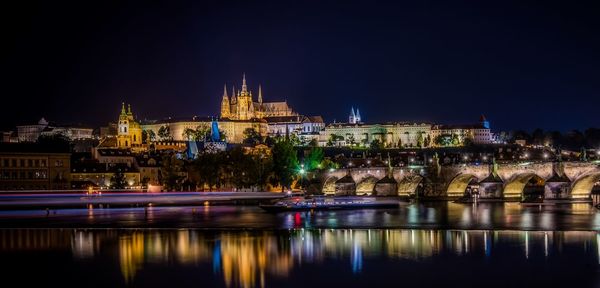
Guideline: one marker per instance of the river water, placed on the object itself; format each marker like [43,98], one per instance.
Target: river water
[418,245]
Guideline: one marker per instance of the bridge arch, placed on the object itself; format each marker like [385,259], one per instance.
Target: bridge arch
[329,185]
[366,185]
[409,185]
[515,187]
[459,184]
[582,187]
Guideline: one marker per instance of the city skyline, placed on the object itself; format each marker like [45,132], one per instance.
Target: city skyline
[435,62]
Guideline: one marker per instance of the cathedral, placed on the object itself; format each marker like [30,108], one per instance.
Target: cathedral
[130,132]
[241,105]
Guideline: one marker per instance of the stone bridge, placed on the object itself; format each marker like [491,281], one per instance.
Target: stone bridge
[553,180]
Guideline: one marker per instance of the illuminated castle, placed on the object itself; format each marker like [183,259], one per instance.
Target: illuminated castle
[130,132]
[241,106]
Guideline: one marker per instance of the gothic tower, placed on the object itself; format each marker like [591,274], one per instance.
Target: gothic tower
[245,106]
[225,105]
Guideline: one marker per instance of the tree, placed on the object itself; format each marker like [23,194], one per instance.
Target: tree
[332,139]
[314,158]
[351,140]
[467,142]
[313,143]
[294,140]
[328,164]
[420,139]
[376,145]
[455,140]
[270,141]
[252,137]
[212,169]
[263,169]
[55,142]
[118,181]
[285,164]
[151,135]
[443,140]
[164,133]
[171,172]
[427,141]
[537,137]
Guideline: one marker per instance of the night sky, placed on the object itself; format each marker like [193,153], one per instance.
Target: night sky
[522,64]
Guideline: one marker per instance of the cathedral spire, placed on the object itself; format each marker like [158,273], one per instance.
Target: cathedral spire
[244,87]
[129,109]
[123,108]
[260,100]
[225,91]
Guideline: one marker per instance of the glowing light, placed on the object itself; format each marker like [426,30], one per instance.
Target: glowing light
[484,158]
[545,155]
[206,203]
[331,169]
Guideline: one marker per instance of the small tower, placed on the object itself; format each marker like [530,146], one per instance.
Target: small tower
[484,122]
[225,105]
[260,99]
[123,140]
[357,117]
[352,117]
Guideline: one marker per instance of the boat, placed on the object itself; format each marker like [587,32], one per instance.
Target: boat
[330,203]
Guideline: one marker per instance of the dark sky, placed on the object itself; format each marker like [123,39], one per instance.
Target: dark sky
[523,64]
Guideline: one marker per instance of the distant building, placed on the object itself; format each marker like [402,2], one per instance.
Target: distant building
[114,156]
[9,137]
[30,133]
[479,133]
[96,174]
[390,135]
[306,128]
[28,166]
[150,168]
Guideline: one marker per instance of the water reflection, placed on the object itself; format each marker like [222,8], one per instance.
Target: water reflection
[250,258]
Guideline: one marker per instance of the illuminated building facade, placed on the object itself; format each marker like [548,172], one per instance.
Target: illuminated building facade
[30,167]
[31,133]
[390,135]
[129,132]
[241,106]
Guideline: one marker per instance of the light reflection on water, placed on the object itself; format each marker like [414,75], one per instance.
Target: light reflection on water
[439,215]
[250,258]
